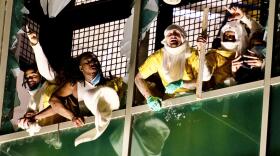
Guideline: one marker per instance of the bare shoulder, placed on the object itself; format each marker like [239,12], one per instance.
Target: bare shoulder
[67,89]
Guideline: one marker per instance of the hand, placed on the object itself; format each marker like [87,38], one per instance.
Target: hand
[253,61]
[78,121]
[236,13]
[236,64]
[201,41]
[32,37]
[25,122]
[173,86]
[154,103]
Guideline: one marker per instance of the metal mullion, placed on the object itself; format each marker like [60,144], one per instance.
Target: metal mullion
[2,18]
[179,101]
[126,146]
[267,79]
[186,100]
[90,120]
[4,49]
[54,128]
[275,81]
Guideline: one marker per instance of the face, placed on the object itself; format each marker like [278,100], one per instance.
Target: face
[32,78]
[173,38]
[89,66]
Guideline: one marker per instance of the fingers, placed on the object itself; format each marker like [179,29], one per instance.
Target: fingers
[201,38]
[156,107]
[24,123]
[77,121]
[32,36]
[20,123]
[237,58]
[27,29]
[252,53]
[254,63]
[251,61]
[239,11]
[230,10]
[235,12]
[236,65]
[251,57]
[239,63]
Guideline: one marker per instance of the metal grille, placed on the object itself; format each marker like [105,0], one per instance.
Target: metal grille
[79,2]
[26,52]
[152,37]
[190,16]
[103,40]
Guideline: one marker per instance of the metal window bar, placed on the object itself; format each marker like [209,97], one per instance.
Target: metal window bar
[177,101]
[152,37]
[26,53]
[80,2]
[190,17]
[103,40]
[6,14]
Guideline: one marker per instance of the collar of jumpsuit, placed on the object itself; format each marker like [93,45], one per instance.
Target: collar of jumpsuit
[174,58]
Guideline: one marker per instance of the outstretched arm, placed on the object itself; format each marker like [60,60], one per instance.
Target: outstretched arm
[142,86]
[57,105]
[42,62]
[153,102]
[31,117]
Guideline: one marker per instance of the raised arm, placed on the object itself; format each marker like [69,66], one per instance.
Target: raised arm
[238,14]
[42,62]
[253,25]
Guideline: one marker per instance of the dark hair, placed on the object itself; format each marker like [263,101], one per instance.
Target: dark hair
[257,37]
[78,76]
[25,69]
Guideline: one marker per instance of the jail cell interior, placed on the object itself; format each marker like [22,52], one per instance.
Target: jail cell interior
[104,41]
[189,17]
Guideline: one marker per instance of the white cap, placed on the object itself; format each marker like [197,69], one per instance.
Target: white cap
[176,27]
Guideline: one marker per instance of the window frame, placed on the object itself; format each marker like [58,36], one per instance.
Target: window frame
[130,111]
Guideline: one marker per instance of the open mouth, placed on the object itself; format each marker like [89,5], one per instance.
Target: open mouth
[93,67]
[31,84]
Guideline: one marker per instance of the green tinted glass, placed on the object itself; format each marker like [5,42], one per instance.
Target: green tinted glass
[226,126]
[62,143]
[274,126]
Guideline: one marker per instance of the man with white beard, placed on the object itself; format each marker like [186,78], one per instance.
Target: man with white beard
[176,63]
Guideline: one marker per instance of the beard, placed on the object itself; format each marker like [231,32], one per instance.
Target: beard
[230,46]
[238,46]
[34,86]
[174,60]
